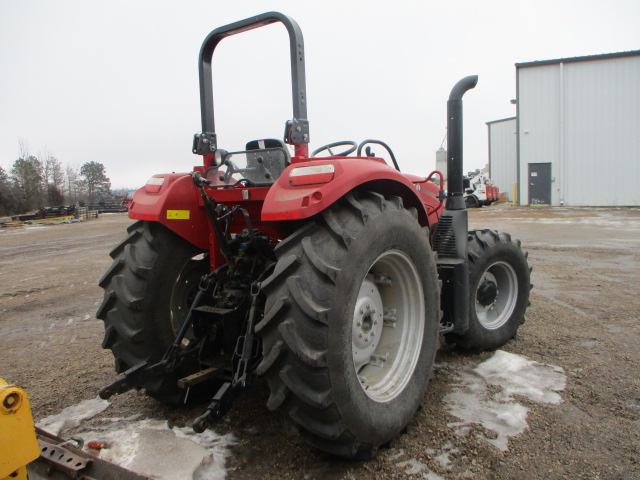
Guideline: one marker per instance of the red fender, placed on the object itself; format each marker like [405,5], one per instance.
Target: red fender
[303,191]
[173,200]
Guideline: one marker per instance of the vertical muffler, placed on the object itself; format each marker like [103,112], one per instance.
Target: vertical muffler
[450,237]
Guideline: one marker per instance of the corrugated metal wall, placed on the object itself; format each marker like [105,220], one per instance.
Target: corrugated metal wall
[503,161]
[602,132]
[538,124]
[584,118]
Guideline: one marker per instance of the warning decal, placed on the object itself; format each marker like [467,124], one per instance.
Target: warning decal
[178,214]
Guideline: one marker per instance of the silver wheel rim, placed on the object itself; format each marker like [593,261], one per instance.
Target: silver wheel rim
[388,326]
[496,295]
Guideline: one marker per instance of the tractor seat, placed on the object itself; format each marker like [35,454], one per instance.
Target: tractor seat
[269,156]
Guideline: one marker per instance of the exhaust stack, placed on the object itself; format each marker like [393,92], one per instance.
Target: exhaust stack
[450,237]
[455,196]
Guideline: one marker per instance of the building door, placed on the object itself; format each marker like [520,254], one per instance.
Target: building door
[539,184]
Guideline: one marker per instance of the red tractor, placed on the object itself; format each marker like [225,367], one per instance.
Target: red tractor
[331,276]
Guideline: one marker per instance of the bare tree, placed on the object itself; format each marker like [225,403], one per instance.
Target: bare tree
[72,183]
[23,149]
[53,178]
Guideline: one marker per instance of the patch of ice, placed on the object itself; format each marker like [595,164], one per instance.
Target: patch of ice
[71,417]
[465,430]
[473,402]
[145,446]
[218,445]
[625,223]
[23,229]
[148,447]
[443,459]
[397,455]
[517,375]
[433,476]
[415,466]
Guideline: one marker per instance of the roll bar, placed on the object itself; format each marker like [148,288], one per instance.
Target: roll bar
[299,131]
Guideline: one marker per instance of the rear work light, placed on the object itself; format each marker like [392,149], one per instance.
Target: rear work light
[154,185]
[312,174]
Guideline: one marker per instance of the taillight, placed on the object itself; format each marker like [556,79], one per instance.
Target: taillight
[154,185]
[312,174]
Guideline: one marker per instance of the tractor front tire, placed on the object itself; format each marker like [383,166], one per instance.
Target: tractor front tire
[499,286]
[350,328]
[147,294]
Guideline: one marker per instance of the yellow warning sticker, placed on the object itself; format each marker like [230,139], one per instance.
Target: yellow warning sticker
[178,214]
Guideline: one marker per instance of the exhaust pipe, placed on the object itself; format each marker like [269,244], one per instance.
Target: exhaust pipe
[450,237]
[455,196]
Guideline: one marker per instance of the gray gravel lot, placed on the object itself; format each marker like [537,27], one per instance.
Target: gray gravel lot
[584,318]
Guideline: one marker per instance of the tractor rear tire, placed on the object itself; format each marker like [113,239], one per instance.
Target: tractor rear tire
[350,329]
[499,286]
[148,291]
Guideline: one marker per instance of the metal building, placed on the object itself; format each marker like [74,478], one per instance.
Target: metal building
[578,124]
[503,154]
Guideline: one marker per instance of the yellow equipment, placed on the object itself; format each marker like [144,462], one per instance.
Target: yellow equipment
[18,443]
[48,456]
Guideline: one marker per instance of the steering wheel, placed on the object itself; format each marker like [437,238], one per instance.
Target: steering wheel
[352,148]
[231,169]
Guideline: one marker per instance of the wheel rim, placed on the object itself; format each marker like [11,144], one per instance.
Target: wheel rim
[388,326]
[496,295]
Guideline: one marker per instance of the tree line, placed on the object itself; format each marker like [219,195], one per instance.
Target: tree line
[41,181]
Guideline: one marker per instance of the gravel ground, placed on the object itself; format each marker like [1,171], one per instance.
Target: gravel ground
[584,317]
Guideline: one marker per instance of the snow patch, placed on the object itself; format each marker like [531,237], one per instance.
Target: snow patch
[148,447]
[433,476]
[71,417]
[616,223]
[517,375]
[397,455]
[22,229]
[474,402]
[144,447]
[415,466]
[443,459]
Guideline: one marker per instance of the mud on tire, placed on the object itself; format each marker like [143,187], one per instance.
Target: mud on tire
[147,293]
[361,272]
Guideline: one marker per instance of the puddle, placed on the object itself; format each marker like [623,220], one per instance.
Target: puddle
[497,409]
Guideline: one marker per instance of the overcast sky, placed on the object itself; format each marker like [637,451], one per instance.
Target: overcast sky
[117,81]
